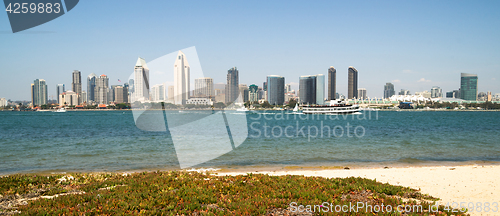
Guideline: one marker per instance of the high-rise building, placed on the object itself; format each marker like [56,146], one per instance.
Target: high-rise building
[352,88]
[170,94]
[404,92]
[69,98]
[3,102]
[307,89]
[275,89]
[456,93]
[76,84]
[83,97]
[389,90]
[141,81]
[111,96]
[332,83]
[450,94]
[288,88]
[436,92]
[362,94]
[158,93]
[40,93]
[204,87]
[244,93]
[121,94]
[232,86]
[59,90]
[181,79]
[101,90]
[33,94]
[320,89]
[253,93]
[468,87]
[90,87]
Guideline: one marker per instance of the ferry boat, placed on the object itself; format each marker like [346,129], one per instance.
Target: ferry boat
[335,107]
[60,110]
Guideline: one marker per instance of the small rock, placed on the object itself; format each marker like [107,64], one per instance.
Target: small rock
[346,168]
[452,168]
[386,167]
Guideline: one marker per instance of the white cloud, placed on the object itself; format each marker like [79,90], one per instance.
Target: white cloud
[396,81]
[407,71]
[423,80]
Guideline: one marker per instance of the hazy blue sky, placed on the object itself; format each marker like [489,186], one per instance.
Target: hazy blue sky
[414,44]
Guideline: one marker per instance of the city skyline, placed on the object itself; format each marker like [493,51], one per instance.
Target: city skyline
[442,42]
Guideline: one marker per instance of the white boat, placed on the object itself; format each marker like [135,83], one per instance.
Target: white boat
[335,107]
[242,109]
[61,110]
[296,108]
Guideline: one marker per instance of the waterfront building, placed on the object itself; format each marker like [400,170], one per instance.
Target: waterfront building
[40,93]
[204,87]
[91,87]
[307,89]
[158,93]
[424,94]
[59,90]
[121,94]
[468,87]
[141,81]
[436,92]
[332,83]
[76,84]
[389,90]
[275,89]
[3,102]
[170,93]
[181,79]
[320,89]
[352,89]
[253,93]
[244,93]
[232,86]
[199,101]
[362,94]
[404,92]
[83,98]
[101,90]
[69,98]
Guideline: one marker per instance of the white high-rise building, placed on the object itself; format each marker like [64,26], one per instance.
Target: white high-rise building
[101,90]
[141,81]
[362,94]
[181,79]
[204,87]
[320,89]
[158,93]
[3,102]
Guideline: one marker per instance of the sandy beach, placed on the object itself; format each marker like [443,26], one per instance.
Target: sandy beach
[469,183]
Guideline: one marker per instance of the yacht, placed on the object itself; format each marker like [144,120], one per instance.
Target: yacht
[242,109]
[335,107]
[61,110]
[296,108]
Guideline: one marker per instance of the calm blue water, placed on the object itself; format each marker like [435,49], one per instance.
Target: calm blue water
[110,141]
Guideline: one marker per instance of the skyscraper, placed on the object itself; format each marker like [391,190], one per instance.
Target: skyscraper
[111,96]
[275,89]
[389,90]
[181,79]
[170,93]
[158,93]
[232,86]
[253,93]
[101,90]
[320,89]
[59,90]
[307,89]
[244,92]
[332,83]
[468,87]
[352,89]
[436,92]
[362,94]
[76,84]
[40,96]
[33,94]
[141,81]
[90,87]
[204,87]
[404,92]
[121,94]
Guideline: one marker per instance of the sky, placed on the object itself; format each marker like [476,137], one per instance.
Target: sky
[413,44]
